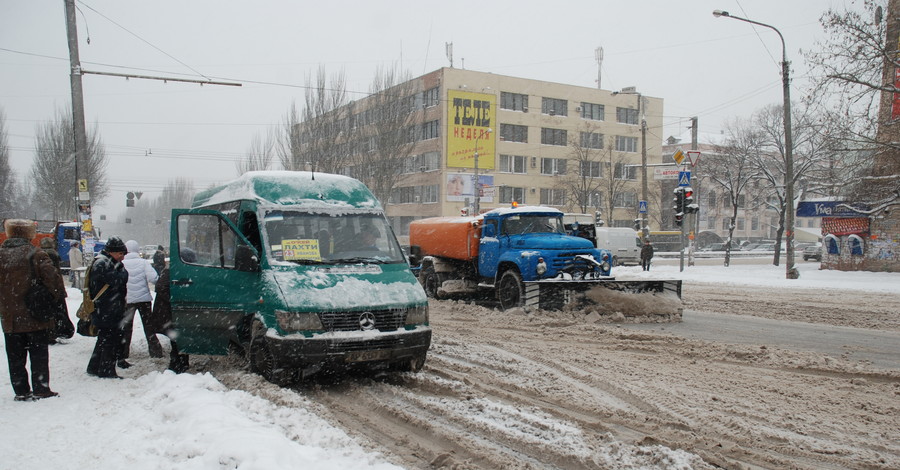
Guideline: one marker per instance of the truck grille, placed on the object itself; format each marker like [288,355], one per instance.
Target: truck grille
[385,320]
[566,261]
[345,346]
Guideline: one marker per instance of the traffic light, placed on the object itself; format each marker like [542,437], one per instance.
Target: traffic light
[637,225]
[678,206]
[690,207]
[129,199]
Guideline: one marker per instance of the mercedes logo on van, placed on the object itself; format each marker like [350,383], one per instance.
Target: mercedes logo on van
[367,321]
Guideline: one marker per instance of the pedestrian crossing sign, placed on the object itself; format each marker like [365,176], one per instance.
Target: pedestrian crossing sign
[684,178]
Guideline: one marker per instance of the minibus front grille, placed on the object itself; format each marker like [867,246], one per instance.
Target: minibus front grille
[345,346]
[385,320]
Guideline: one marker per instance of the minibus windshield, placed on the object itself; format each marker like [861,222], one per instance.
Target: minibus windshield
[311,238]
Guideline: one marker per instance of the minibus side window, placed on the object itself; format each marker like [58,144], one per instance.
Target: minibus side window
[207,241]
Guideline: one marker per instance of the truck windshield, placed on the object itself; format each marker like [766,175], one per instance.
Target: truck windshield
[532,223]
[305,238]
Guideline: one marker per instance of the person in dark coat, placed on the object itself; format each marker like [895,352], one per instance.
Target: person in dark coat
[159,259]
[109,308]
[26,338]
[161,321]
[646,255]
[63,327]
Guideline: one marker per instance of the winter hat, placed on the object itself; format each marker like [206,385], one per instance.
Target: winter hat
[47,242]
[19,228]
[115,245]
[133,246]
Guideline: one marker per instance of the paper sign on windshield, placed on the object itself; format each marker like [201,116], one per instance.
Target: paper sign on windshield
[301,249]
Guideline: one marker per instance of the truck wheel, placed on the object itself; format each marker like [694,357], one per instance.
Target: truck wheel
[264,362]
[510,291]
[413,365]
[430,282]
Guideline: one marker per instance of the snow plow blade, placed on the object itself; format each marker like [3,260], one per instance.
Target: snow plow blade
[637,300]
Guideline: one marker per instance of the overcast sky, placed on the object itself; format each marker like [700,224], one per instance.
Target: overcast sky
[713,68]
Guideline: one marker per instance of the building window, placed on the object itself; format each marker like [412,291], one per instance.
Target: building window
[553,197]
[513,133]
[553,136]
[431,130]
[832,244]
[554,107]
[711,199]
[428,161]
[624,172]
[553,166]
[415,194]
[513,101]
[626,144]
[513,164]
[711,223]
[591,140]
[740,224]
[593,111]
[856,245]
[754,223]
[625,200]
[626,115]
[509,194]
[591,169]
[431,97]
[726,223]
[595,200]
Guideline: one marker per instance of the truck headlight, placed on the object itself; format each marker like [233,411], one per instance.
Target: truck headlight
[296,321]
[417,315]
[541,267]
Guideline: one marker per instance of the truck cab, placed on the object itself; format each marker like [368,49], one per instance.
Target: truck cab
[299,272]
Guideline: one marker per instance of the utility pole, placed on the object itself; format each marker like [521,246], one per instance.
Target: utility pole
[696,219]
[81,151]
[645,226]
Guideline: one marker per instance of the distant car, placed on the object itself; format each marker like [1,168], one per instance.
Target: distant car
[812,252]
[147,251]
[764,247]
[714,247]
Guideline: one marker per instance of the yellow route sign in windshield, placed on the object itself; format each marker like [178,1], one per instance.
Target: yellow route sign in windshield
[307,248]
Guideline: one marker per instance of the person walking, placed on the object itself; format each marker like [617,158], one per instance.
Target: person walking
[25,337]
[76,262]
[138,300]
[108,272]
[159,259]
[646,255]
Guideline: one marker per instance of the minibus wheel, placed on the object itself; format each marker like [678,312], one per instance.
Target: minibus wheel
[264,362]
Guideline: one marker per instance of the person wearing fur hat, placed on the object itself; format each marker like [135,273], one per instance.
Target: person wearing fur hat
[26,338]
[138,300]
[109,307]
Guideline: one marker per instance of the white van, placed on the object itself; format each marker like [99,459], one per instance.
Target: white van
[623,242]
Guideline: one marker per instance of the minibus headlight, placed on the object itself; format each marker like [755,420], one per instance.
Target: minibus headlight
[295,321]
[417,315]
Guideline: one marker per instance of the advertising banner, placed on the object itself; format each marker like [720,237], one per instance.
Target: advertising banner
[470,120]
[460,186]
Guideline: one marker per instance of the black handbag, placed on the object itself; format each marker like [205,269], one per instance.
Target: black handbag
[39,301]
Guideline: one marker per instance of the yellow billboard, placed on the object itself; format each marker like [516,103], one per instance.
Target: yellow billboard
[471,118]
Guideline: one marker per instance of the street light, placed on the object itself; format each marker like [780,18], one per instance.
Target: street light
[475,183]
[790,273]
[645,228]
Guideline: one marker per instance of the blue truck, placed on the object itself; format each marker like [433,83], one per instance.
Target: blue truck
[524,257]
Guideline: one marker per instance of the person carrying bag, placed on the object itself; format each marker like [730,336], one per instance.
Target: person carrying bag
[85,328]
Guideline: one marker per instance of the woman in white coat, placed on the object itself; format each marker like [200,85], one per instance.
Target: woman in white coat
[140,275]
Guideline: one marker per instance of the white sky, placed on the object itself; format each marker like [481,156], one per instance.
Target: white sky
[155,419]
[714,68]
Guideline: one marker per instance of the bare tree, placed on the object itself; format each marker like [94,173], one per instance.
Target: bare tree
[387,136]
[7,176]
[584,183]
[732,169]
[616,180]
[324,137]
[259,154]
[854,82]
[53,169]
[287,140]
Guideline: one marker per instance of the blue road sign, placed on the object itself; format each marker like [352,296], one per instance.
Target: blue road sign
[642,207]
[684,178]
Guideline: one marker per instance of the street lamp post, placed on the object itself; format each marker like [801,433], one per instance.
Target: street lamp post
[476,184]
[644,188]
[791,272]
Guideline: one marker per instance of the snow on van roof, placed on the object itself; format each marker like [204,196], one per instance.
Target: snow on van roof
[294,188]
